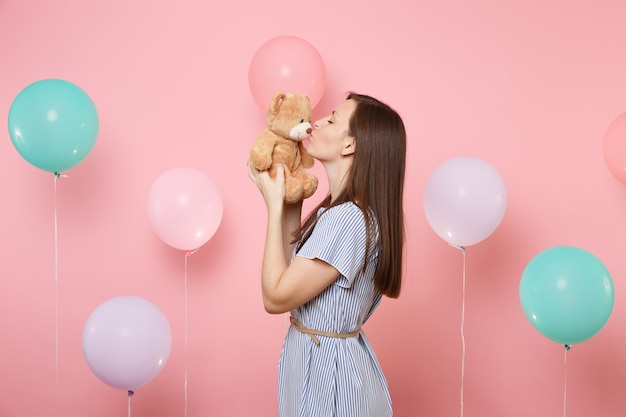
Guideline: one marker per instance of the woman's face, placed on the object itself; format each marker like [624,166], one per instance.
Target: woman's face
[329,138]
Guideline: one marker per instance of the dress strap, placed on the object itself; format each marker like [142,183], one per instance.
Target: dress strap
[314,333]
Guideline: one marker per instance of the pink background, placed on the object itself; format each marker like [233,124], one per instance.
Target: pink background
[530,87]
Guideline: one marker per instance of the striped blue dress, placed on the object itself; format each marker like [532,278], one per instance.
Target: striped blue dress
[341,377]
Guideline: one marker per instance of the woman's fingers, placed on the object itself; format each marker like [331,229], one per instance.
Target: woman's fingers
[253,173]
[273,189]
[280,171]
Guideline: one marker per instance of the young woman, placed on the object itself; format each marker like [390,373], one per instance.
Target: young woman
[331,271]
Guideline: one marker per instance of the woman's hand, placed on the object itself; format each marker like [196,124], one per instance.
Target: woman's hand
[273,190]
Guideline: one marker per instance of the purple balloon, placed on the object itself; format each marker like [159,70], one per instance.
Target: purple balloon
[126,342]
[464,200]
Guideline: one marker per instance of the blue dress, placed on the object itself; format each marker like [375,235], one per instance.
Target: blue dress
[341,377]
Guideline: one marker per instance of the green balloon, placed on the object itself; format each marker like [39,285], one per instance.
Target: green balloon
[567,294]
[53,124]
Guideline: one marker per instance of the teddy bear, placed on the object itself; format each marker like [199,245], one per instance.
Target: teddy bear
[288,124]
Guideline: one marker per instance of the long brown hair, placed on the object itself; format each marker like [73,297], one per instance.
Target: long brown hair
[375,184]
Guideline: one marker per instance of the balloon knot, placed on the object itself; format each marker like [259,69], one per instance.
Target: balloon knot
[568,347]
[131,393]
[57,174]
[461,248]
[191,252]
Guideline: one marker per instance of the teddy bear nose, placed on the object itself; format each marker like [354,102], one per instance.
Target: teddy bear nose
[308,131]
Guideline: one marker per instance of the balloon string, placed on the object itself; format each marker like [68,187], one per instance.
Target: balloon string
[567,347]
[56,288]
[462,249]
[187,254]
[463,333]
[130,394]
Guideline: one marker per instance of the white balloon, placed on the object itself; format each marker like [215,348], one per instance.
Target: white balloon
[464,200]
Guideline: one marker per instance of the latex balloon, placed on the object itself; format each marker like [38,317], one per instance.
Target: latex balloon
[464,200]
[53,124]
[126,342]
[614,148]
[286,64]
[567,294]
[184,208]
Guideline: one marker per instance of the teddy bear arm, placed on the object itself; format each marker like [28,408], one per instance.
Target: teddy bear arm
[261,152]
[306,160]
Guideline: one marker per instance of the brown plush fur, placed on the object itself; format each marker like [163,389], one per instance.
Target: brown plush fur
[288,123]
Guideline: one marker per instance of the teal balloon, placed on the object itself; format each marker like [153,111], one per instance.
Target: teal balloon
[53,124]
[567,294]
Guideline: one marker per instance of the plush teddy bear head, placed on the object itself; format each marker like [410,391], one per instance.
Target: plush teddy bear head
[289,115]
[288,123]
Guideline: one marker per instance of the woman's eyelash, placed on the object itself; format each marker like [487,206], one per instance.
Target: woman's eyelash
[330,121]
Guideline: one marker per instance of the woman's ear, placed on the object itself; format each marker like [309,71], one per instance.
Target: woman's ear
[349,146]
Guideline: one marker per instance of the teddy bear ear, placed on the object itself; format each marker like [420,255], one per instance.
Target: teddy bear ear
[276,102]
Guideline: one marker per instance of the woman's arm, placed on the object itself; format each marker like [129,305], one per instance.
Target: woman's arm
[286,286]
[298,283]
[292,218]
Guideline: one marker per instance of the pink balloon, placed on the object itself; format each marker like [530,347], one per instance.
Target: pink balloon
[126,342]
[184,208]
[614,148]
[464,200]
[286,64]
